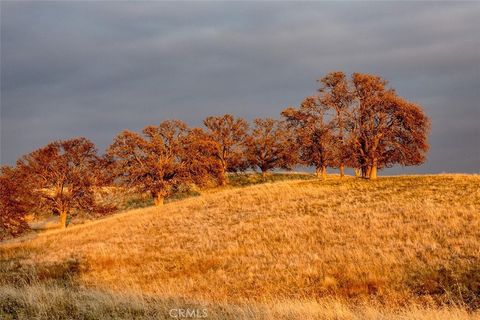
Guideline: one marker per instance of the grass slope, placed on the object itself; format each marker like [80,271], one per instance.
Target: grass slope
[399,247]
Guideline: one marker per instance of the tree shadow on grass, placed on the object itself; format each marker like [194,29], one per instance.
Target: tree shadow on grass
[15,271]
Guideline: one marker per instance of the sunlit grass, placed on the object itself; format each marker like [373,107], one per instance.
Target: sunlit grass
[400,247]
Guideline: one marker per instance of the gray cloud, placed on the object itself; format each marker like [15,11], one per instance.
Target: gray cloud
[95,68]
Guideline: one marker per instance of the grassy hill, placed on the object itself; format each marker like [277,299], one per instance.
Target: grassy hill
[398,248]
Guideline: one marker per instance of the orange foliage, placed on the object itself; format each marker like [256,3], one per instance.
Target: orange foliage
[62,176]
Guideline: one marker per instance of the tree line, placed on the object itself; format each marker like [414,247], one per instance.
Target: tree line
[357,122]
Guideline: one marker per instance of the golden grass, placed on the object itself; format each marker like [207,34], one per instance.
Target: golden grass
[397,248]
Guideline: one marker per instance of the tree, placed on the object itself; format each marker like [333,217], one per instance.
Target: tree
[270,145]
[314,134]
[160,159]
[62,176]
[388,129]
[335,94]
[203,166]
[15,202]
[229,136]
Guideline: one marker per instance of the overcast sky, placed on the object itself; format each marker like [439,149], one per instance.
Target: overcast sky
[95,68]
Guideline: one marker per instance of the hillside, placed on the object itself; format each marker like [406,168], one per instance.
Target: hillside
[339,249]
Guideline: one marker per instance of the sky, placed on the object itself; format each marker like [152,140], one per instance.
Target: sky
[93,69]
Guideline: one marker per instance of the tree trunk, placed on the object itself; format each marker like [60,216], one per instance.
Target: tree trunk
[342,171]
[158,200]
[324,173]
[368,172]
[358,172]
[321,172]
[224,173]
[373,171]
[223,179]
[264,174]
[63,219]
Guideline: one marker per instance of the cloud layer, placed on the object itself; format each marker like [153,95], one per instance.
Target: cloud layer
[95,68]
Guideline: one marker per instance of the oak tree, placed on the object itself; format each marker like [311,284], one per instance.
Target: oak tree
[336,95]
[161,159]
[204,167]
[388,129]
[62,176]
[314,134]
[270,145]
[229,135]
[15,202]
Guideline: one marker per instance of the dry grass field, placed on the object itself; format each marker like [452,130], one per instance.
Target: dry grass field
[404,247]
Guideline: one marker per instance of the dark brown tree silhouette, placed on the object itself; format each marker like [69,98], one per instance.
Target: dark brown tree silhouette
[270,145]
[15,202]
[62,176]
[314,134]
[388,129]
[336,95]
[229,136]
